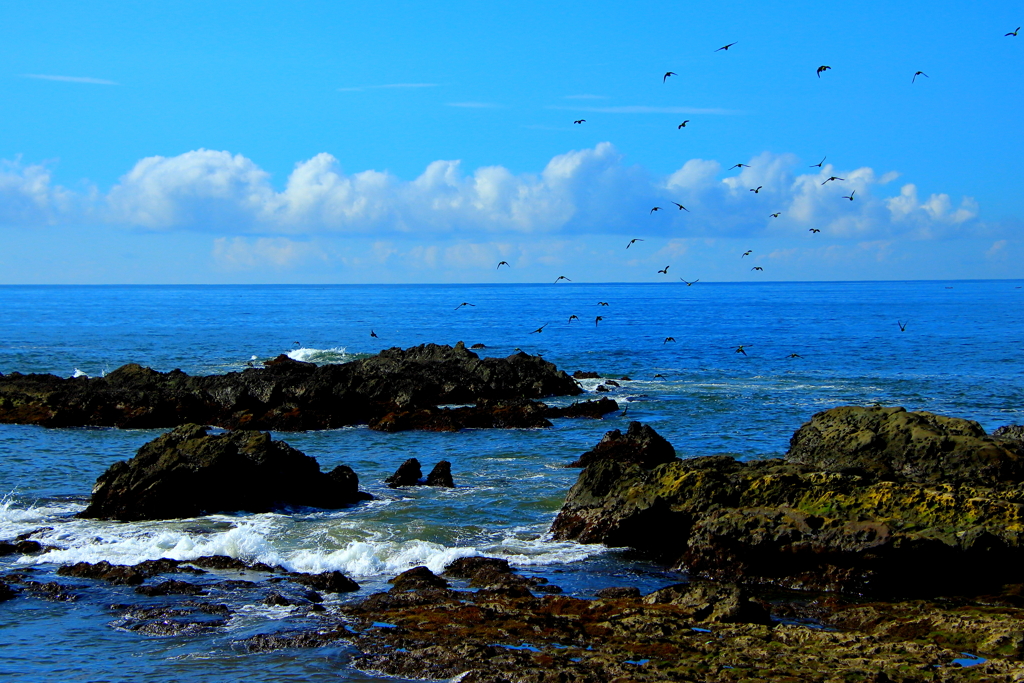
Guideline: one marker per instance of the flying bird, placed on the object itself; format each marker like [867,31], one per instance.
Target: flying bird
[681,207]
[748,252]
[374,334]
[916,74]
[739,349]
[757,268]
[667,74]
[668,339]
[903,326]
[297,343]
[757,189]
[774,215]
[818,165]
[813,230]
[573,317]
[540,329]
[464,303]
[689,284]
[580,121]
[562,277]
[602,303]
[1013,33]
[503,263]
[725,47]
[822,68]
[683,124]
[665,270]
[635,239]
[737,166]
[597,320]
[831,178]
[657,208]
[794,355]
[850,197]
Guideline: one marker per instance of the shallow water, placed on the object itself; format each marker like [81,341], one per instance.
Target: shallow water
[957,356]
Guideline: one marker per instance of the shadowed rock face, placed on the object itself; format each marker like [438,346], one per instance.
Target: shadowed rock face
[860,514]
[285,395]
[188,472]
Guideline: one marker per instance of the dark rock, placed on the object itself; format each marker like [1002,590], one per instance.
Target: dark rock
[611,383]
[486,414]
[20,547]
[407,474]
[713,602]
[441,475]
[328,582]
[618,593]
[188,472]
[602,389]
[1013,433]
[277,600]
[891,443]
[6,592]
[470,567]
[117,574]
[640,445]
[478,346]
[51,590]
[417,578]
[624,378]
[225,562]
[591,409]
[313,596]
[585,374]
[171,587]
[285,395]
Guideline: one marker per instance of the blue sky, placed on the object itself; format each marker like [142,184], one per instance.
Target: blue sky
[405,142]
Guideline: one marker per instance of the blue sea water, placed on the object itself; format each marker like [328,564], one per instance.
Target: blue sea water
[958,355]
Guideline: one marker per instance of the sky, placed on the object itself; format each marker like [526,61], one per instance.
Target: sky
[398,142]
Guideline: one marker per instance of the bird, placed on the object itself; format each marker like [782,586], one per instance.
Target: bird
[850,197]
[297,343]
[580,121]
[903,326]
[830,178]
[818,165]
[573,317]
[748,252]
[794,355]
[813,230]
[681,207]
[757,189]
[597,320]
[725,47]
[739,349]
[374,334]
[665,271]
[668,339]
[737,166]
[822,68]
[503,263]
[918,73]
[683,124]
[464,303]
[657,208]
[602,303]
[667,74]
[635,239]
[774,215]
[562,277]
[1013,33]
[540,329]
[757,268]
[689,284]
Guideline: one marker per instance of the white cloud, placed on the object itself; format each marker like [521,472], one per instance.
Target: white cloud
[71,79]
[641,109]
[27,197]
[279,253]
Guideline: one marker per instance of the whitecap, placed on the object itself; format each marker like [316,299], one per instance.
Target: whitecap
[335,354]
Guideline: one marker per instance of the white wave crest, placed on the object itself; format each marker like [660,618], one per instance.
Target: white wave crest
[79,373]
[336,354]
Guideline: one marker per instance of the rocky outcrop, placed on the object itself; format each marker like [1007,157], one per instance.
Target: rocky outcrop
[640,445]
[489,414]
[188,472]
[859,515]
[441,475]
[409,473]
[285,394]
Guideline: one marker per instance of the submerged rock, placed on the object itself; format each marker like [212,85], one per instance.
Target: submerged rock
[188,472]
[441,475]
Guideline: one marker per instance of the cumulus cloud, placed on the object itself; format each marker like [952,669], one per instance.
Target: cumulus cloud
[279,253]
[27,197]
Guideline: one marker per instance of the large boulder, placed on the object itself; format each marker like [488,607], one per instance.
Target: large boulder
[189,472]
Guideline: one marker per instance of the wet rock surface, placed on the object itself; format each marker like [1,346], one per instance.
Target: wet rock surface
[409,473]
[850,524]
[189,472]
[285,394]
[489,414]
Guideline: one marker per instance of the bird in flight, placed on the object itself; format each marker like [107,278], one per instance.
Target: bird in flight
[602,303]
[739,349]
[668,339]
[757,268]
[297,343]
[635,239]
[657,208]
[562,277]
[725,47]
[757,189]
[683,124]
[464,303]
[738,166]
[794,355]
[813,230]
[667,74]
[689,284]
[850,197]
[774,215]
[830,178]
[1013,33]
[580,121]
[597,320]
[822,68]
[916,74]
[503,263]
[818,165]
[665,270]
[748,252]
[573,317]
[903,326]
[374,334]
[540,329]
[681,207]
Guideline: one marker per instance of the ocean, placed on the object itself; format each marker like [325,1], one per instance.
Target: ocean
[807,346]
